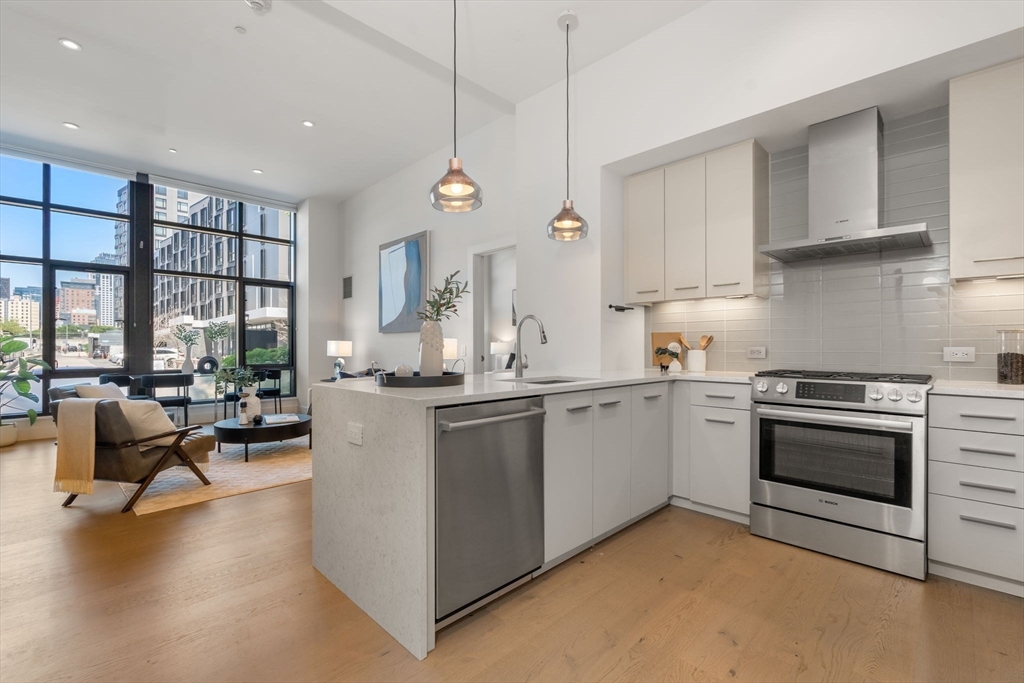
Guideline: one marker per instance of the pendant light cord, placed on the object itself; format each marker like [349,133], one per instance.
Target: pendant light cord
[455,78]
[566,109]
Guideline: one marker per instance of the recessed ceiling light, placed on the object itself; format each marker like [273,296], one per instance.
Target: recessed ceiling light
[69,44]
[307,124]
[257,171]
[240,30]
[172,150]
[72,126]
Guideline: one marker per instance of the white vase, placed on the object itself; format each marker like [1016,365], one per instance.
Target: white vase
[187,367]
[675,366]
[431,349]
[8,433]
[696,361]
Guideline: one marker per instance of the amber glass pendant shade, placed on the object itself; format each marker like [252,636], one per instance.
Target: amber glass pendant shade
[567,225]
[455,192]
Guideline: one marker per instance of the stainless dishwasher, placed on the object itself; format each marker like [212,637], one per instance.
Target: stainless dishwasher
[489,501]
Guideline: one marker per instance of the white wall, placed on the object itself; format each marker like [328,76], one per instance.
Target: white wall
[722,63]
[317,290]
[399,206]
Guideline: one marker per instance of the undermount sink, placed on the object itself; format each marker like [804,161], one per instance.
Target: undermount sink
[546,380]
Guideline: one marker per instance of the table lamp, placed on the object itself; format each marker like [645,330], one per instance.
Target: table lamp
[339,349]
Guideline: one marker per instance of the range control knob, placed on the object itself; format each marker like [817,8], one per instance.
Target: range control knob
[781,387]
[894,394]
[876,394]
[761,386]
[914,396]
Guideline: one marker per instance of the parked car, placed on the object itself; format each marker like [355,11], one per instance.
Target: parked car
[171,358]
[117,357]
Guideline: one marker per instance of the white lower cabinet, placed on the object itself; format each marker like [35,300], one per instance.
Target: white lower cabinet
[720,458]
[681,439]
[649,455]
[612,439]
[568,472]
[980,536]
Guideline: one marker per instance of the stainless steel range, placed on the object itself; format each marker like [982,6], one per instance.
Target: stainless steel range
[838,464]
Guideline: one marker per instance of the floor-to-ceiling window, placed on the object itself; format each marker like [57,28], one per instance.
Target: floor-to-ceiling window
[62,278]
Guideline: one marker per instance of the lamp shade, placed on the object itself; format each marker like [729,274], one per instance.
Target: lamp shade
[567,225]
[339,348]
[456,192]
[451,349]
[501,347]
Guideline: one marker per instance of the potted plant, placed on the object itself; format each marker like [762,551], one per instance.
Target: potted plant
[672,351]
[17,375]
[242,380]
[441,304]
[188,338]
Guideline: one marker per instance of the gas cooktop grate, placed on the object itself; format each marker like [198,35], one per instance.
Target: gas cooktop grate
[891,377]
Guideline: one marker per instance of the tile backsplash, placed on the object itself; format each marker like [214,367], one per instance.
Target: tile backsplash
[893,311]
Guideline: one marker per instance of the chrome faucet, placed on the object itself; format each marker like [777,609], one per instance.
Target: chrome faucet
[520,358]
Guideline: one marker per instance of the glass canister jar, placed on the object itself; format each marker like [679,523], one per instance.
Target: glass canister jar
[1010,357]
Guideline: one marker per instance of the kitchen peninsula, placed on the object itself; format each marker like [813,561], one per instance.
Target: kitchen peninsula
[607,460]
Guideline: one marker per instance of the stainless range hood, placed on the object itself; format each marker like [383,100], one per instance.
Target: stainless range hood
[844,192]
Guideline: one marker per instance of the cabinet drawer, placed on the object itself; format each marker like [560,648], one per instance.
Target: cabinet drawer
[1001,451]
[980,536]
[976,483]
[1000,415]
[720,395]
[720,458]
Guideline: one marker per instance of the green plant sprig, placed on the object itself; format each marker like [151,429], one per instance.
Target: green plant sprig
[662,351]
[443,302]
[17,374]
[186,335]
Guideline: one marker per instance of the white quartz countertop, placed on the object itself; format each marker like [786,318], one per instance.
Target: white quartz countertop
[490,387]
[947,387]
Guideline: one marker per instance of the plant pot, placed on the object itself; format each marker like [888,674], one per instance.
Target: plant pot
[675,366]
[696,361]
[8,434]
[255,406]
[187,367]
[431,349]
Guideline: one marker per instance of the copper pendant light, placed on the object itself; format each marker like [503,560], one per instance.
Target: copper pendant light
[567,225]
[455,192]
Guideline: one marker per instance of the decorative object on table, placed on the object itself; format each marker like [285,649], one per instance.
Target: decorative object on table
[188,337]
[455,192]
[282,419]
[418,381]
[402,283]
[17,374]
[340,350]
[672,351]
[567,225]
[404,370]
[661,340]
[499,349]
[241,380]
[215,333]
[1010,357]
[243,408]
[442,303]
[697,359]
[257,420]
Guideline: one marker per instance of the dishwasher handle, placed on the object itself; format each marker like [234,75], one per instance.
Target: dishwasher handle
[485,421]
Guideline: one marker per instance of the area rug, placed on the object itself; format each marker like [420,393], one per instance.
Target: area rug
[270,465]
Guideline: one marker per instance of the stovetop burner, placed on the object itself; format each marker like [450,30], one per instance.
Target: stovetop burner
[888,377]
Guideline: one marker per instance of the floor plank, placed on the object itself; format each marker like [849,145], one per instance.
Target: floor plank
[225,591]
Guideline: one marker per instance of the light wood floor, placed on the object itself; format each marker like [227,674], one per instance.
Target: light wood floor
[225,590]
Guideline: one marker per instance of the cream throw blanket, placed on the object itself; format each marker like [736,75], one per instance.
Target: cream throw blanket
[76,445]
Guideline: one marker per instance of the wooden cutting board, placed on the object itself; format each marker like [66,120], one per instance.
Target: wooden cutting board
[663,339]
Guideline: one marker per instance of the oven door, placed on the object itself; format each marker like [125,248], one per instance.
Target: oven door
[862,469]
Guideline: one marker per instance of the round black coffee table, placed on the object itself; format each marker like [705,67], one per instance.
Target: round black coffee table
[229,431]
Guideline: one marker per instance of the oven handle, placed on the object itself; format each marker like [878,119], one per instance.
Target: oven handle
[839,420]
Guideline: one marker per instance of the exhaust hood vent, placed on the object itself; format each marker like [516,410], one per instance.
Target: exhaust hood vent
[844,189]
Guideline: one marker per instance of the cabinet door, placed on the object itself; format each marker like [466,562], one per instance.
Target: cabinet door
[649,452]
[730,221]
[611,458]
[986,172]
[720,458]
[684,230]
[645,237]
[568,472]
[680,434]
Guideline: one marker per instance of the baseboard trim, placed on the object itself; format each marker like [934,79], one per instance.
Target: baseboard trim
[710,510]
[996,583]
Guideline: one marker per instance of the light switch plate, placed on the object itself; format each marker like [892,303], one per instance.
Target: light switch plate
[958,354]
[757,352]
[355,433]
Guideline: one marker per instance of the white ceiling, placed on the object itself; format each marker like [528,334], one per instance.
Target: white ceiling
[374,76]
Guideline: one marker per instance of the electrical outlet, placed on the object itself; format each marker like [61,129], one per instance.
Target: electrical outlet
[757,352]
[958,354]
[355,433]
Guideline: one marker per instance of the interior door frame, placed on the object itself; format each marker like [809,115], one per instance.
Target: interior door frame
[478,294]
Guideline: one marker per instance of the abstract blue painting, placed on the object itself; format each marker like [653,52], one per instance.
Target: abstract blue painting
[402,283]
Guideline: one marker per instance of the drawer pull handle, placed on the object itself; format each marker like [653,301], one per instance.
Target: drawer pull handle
[725,284]
[997,258]
[605,404]
[989,522]
[987,451]
[719,420]
[679,289]
[573,409]
[729,396]
[987,487]
[647,291]
[648,397]
[980,416]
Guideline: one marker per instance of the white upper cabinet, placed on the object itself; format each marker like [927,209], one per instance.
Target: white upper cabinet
[737,220]
[693,228]
[645,237]
[684,230]
[986,172]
